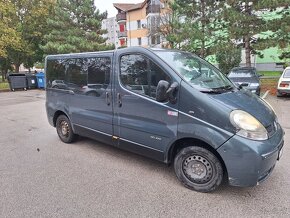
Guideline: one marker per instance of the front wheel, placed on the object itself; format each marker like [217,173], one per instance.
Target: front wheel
[198,169]
[64,129]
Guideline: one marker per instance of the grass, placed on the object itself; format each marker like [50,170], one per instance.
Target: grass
[270,73]
[4,85]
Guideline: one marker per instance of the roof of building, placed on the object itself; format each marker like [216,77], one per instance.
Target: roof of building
[129,7]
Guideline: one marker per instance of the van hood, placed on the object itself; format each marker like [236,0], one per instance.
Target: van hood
[246,101]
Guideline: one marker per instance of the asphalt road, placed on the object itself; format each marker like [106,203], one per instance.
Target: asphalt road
[43,177]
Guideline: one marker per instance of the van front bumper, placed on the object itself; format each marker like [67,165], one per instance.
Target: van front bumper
[250,162]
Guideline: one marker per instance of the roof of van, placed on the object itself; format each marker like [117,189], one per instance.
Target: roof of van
[133,48]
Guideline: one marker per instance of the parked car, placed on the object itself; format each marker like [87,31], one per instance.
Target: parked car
[283,87]
[246,77]
[171,106]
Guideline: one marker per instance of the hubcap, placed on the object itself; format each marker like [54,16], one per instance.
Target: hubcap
[197,169]
[64,128]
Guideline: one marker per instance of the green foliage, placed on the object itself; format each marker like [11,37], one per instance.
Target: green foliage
[228,56]
[75,26]
[9,36]
[200,27]
[30,24]
[250,19]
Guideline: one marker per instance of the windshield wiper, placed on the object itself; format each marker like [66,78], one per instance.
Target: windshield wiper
[211,91]
[224,88]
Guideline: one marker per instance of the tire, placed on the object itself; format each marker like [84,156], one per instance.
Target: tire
[198,169]
[64,129]
[279,94]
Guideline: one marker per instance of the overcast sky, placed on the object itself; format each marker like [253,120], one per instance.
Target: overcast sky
[107,5]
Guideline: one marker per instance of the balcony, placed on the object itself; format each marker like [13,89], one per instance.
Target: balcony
[121,17]
[122,34]
[152,9]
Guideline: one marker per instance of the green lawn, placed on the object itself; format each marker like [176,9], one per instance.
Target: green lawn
[4,85]
[270,73]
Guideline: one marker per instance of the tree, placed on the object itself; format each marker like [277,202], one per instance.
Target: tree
[246,20]
[201,25]
[228,56]
[170,26]
[30,25]
[9,37]
[75,27]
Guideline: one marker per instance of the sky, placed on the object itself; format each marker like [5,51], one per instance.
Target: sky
[107,5]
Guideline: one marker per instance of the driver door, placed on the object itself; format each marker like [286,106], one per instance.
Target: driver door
[142,124]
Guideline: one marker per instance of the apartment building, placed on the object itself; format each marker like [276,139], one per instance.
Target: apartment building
[138,24]
[110,24]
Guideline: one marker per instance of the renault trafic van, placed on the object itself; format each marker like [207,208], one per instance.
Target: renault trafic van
[168,105]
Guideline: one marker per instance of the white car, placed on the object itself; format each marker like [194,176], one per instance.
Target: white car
[283,87]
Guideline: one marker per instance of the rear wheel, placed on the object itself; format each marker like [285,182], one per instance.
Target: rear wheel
[64,129]
[198,169]
[279,94]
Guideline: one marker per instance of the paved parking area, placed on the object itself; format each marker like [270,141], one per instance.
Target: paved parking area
[42,177]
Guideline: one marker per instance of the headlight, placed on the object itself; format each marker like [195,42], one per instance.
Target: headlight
[254,84]
[248,126]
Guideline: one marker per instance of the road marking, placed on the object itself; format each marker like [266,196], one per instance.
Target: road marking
[265,95]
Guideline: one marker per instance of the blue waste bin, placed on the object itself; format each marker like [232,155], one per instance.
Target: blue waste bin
[40,80]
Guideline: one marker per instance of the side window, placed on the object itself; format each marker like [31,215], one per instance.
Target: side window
[141,75]
[84,76]
[76,75]
[98,75]
[55,73]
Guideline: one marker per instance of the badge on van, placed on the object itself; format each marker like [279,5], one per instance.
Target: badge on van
[172,113]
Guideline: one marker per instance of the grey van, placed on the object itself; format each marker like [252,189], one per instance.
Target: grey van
[168,105]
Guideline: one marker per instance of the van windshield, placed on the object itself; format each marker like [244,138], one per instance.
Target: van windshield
[202,75]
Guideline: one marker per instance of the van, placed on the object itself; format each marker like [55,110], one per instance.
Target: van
[168,105]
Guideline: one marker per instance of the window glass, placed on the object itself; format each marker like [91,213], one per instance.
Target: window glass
[287,74]
[140,75]
[196,71]
[85,76]
[98,75]
[55,73]
[139,41]
[138,24]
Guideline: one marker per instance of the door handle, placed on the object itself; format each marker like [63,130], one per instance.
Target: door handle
[119,100]
[108,98]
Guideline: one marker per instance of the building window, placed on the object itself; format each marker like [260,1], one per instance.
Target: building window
[139,24]
[158,40]
[153,40]
[139,41]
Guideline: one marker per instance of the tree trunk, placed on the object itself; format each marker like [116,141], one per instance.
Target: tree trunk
[248,51]
[3,76]
[17,66]
[202,52]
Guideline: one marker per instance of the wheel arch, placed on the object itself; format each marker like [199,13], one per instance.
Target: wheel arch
[57,114]
[186,142]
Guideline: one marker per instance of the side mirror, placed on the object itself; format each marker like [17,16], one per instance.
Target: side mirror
[161,91]
[172,92]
